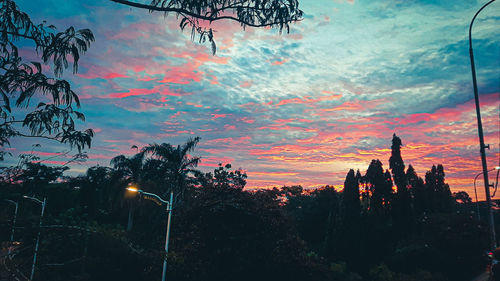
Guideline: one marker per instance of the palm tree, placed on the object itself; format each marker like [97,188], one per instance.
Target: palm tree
[132,171]
[173,166]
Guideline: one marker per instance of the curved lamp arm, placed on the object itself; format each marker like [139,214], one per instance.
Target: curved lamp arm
[151,196]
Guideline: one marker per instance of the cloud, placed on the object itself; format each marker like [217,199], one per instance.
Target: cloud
[298,108]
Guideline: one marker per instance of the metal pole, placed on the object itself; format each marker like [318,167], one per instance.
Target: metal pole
[493,242]
[13,220]
[477,201]
[169,210]
[13,224]
[38,239]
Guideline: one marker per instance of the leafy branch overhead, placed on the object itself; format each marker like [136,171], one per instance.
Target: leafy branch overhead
[23,82]
[198,14]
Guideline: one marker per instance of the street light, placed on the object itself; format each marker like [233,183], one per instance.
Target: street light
[43,203]
[475,190]
[159,201]
[13,220]
[13,224]
[482,146]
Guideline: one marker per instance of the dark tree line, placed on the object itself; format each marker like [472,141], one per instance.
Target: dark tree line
[383,225]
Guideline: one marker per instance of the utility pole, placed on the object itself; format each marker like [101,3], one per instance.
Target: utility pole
[493,242]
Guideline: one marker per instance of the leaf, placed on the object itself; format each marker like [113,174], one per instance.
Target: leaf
[37,65]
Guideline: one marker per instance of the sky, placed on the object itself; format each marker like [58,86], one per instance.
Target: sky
[297,108]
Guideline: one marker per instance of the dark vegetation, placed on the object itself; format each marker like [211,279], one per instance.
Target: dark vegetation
[384,225]
[47,103]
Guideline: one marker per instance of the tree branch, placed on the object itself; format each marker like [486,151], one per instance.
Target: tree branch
[10,122]
[37,136]
[185,12]
[24,36]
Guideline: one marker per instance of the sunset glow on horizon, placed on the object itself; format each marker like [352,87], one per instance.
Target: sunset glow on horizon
[292,109]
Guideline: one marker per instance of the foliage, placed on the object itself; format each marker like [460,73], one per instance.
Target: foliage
[222,178]
[316,217]
[200,14]
[462,197]
[350,201]
[220,231]
[439,191]
[401,210]
[380,185]
[397,165]
[228,232]
[450,244]
[173,166]
[23,82]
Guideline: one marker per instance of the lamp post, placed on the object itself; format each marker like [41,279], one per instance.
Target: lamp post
[13,224]
[482,146]
[13,220]
[475,191]
[159,201]
[43,203]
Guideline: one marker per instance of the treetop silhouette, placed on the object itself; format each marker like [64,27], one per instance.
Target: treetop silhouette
[197,14]
[23,82]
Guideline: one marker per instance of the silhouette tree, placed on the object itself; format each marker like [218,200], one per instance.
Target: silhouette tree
[417,190]
[387,190]
[291,191]
[96,189]
[132,168]
[199,15]
[320,218]
[462,197]
[350,207]
[35,176]
[349,232]
[396,164]
[223,178]
[132,171]
[23,83]
[402,210]
[380,185]
[439,191]
[173,166]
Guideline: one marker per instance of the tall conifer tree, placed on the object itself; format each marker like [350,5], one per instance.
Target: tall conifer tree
[402,210]
[350,203]
[397,165]
[379,184]
[417,190]
[439,191]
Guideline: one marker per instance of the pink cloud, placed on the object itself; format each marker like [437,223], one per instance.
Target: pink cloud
[307,100]
[246,84]
[247,120]
[214,161]
[215,116]
[279,62]
[159,89]
[229,141]
[96,71]
[194,104]
[229,127]
[133,92]
[115,75]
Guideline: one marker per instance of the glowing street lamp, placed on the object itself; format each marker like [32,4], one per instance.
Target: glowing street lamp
[133,189]
[475,190]
[159,201]
[43,203]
